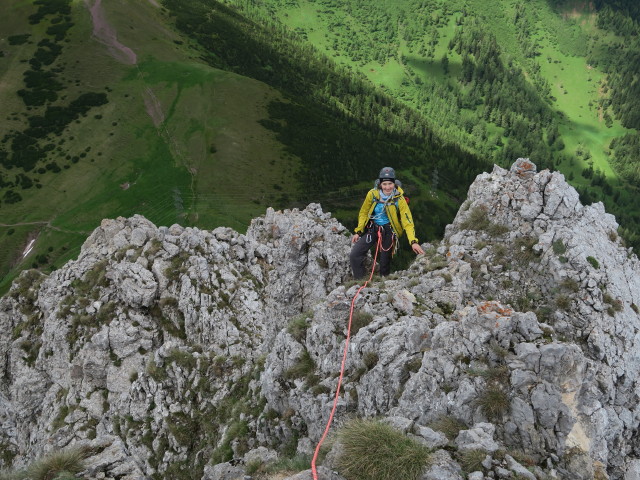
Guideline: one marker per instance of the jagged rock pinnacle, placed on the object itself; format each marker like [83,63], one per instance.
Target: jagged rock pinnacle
[169,346]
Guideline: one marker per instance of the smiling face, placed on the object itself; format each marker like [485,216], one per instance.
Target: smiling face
[387,187]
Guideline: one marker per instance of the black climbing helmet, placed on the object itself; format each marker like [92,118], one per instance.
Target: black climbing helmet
[387,173]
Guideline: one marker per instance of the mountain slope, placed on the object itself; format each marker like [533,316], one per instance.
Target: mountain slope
[203,113]
[150,148]
[180,137]
[548,80]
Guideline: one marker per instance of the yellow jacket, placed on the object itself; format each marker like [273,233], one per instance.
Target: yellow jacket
[397,210]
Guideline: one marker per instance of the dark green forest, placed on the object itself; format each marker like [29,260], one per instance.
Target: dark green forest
[29,148]
[499,103]
[341,126]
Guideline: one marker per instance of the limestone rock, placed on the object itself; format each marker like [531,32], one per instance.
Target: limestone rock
[165,347]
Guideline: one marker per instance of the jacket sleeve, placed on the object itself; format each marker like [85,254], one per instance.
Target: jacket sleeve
[365,210]
[407,220]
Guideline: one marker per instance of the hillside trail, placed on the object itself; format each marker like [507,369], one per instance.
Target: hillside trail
[105,34]
[29,243]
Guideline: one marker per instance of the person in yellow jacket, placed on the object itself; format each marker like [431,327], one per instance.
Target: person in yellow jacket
[384,211]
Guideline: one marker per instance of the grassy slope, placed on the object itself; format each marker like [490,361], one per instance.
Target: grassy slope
[211,162]
[219,167]
[557,32]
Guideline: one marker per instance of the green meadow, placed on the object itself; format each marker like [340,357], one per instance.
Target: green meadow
[550,44]
[236,106]
[204,161]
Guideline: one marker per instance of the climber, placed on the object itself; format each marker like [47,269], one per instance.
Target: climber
[385,211]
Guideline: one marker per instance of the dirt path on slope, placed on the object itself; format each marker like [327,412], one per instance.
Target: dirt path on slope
[106,35]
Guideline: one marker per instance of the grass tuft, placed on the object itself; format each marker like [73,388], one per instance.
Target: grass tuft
[298,326]
[373,450]
[471,460]
[61,465]
[448,425]
[303,368]
[360,319]
[494,402]
[594,263]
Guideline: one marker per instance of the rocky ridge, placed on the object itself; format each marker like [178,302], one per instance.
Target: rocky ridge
[174,351]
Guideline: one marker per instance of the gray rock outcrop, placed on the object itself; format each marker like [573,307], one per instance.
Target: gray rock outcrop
[512,343]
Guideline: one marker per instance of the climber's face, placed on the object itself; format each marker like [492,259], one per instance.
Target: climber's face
[387,187]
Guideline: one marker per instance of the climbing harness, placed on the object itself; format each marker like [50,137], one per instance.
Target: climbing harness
[344,359]
[378,228]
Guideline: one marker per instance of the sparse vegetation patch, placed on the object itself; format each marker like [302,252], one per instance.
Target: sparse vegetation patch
[373,450]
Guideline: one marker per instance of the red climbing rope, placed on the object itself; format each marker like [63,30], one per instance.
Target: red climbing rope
[344,360]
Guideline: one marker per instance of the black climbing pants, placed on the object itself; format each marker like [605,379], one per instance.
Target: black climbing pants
[367,240]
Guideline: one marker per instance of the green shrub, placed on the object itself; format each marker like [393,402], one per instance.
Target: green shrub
[303,368]
[183,358]
[476,220]
[373,450]
[559,247]
[524,251]
[370,359]
[563,302]
[18,39]
[594,263]
[495,229]
[570,284]
[289,466]
[616,304]
[499,374]
[499,251]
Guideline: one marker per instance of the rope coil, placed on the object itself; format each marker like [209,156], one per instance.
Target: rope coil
[344,361]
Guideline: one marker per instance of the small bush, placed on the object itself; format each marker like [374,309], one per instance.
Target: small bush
[499,252]
[183,358]
[288,466]
[495,229]
[570,284]
[370,359]
[476,220]
[373,450]
[559,247]
[615,303]
[499,374]
[563,302]
[303,368]
[524,251]
[447,277]
[594,263]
